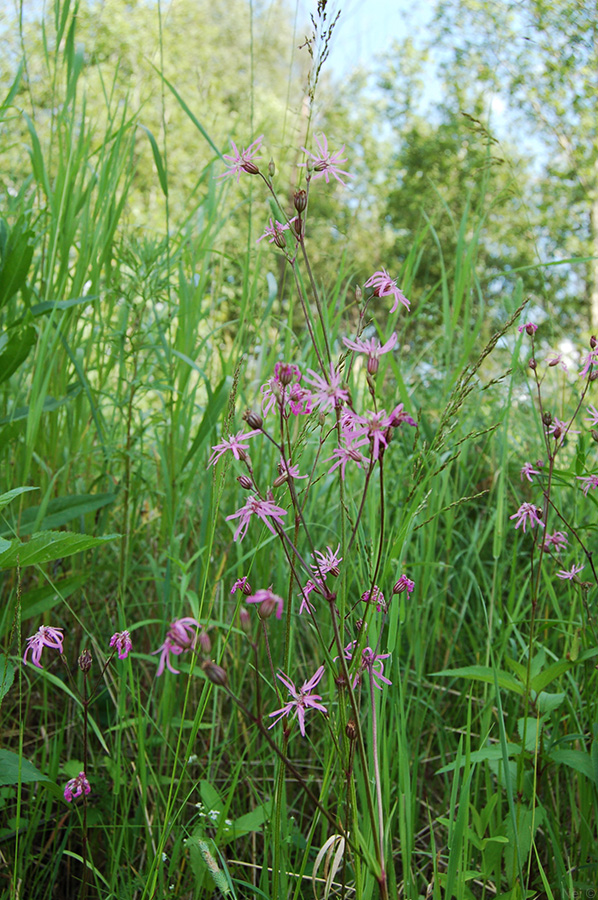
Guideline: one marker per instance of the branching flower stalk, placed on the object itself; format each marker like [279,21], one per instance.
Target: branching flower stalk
[362,439]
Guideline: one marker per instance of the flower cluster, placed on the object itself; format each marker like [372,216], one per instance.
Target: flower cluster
[76,787]
[181,636]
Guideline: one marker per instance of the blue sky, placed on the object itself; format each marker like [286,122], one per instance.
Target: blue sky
[366,28]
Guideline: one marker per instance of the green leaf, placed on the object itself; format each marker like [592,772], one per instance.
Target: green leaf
[10,763]
[158,161]
[594,755]
[7,676]
[251,821]
[15,350]
[47,546]
[486,753]
[485,674]
[16,256]
[210,796]
[546,703]
[61,510]
[575,759]
[39,309]
[50,404]
[543,679]
[184,106]
[9,496]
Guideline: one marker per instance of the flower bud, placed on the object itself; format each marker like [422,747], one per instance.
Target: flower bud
[300,200]
[245,482]
[204,642]
[593,342]
[532,363]
[403,584]
[84,661]
[214,673]
[286,372]
[245,620]
[547,419]
[280,479]
[530,328]
[253,419]
[594,434]
[250,167]
[271,168]
[593,376]
[351,730]
[267,607]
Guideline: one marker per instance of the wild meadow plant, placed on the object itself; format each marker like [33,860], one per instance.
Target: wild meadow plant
[320,423]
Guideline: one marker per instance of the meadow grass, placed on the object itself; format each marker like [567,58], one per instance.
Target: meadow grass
[128,356]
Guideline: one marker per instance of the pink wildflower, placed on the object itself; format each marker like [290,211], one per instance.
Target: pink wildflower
[560,429]
[303,699]
[375,596]
[327,393]
[123,643]
[236,443]
[181,636]
[571,574]
[241,584]
[527,470]
[373,348]
[403,584]
[398,416]
[284,389]
[556,541]
[528,327]
[275,233]
[369,662]
[593,417]
[286,468]
[589,362]
[45,636]
[243,161]
[314,584]
[344,455]
[263,509]
[76,787]
[384,286]
[557,360]
[372,429]
[326,163]
[590,482]
[528,514]
[327,562]
[270,601]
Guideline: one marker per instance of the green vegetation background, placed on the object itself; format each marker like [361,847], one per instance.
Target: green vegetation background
[139,319]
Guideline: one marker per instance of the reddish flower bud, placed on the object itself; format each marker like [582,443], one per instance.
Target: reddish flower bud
[214,673]
[532,363]
[245,482]
[245,620]
[593,342]
[204,642]
[253,419]
[300,200]
[84,661]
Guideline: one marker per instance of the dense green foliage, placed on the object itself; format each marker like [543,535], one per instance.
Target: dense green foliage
[139,320]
